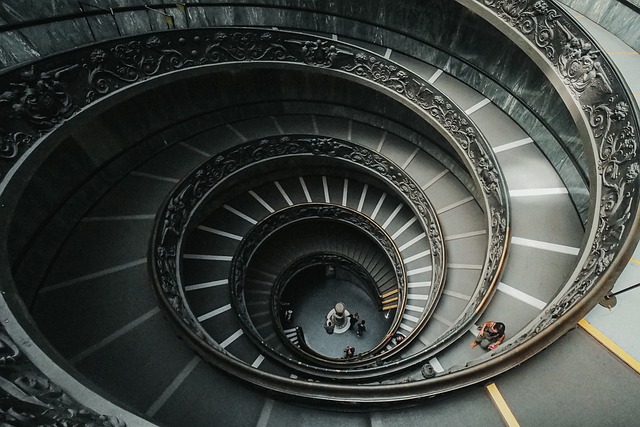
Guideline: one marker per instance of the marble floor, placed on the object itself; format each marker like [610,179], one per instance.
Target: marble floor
[616,323]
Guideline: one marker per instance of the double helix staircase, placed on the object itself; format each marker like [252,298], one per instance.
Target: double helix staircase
[98,311]
[101,340]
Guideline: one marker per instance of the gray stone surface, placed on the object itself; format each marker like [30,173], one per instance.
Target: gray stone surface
[579,382]
[613,15]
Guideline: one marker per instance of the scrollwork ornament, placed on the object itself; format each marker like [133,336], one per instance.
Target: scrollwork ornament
[130,62]
[496,248]
[509,10]
[454,122]
[29,398]
[319,53]
[245,46]
[538,21]
[534,20]
[42,98]
[11,144]
[175,215]
[387,75]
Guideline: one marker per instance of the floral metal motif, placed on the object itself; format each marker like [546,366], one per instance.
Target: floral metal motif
[130,62]
[10,145]
[185,199]
[320,53]
[588,75]
[41,97]
[29,398]
[42,100]
[246,46]
[579,64]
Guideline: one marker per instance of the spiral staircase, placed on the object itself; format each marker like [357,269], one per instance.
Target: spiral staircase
[176,176]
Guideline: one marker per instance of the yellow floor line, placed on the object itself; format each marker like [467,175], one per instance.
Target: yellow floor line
[613,347]
[501,404]
[635,260]
[623,53]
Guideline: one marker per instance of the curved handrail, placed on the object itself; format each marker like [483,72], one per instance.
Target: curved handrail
[143,58]
[85,76]
[295,267]
[327,258]
[287,216]
[202,183]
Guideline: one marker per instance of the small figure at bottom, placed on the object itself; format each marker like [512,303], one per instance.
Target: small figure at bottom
[398,338]
[349,352]
[288,316]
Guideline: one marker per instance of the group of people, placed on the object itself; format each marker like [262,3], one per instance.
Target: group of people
[360,327]
[490,335]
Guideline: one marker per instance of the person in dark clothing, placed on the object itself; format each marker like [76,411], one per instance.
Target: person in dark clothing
[361,328]
[329,326]
[490,336]
[353,319]
[288,316]
[349,352]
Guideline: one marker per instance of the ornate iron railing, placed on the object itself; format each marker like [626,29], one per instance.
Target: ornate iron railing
[30,397]
[194,190]
[48,96]
[262,231]
[599,101]
[39,98]
[362,279]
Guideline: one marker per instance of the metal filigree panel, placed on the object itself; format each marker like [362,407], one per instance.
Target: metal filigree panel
[602,99]
[35,100]
[200,185]
[29,398]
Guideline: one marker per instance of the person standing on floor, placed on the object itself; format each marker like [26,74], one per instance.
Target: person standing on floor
[329,326]
[361,329]
[353,319]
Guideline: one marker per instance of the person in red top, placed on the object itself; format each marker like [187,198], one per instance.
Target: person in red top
[349,352]
[490,336]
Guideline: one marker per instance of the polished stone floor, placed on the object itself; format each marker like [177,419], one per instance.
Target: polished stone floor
[318,298]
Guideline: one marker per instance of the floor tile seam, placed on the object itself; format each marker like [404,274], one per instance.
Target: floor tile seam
[501,405]
[94,275]
[610,345]
[114,336]
[171,388]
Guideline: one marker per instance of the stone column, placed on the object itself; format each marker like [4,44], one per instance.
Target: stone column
[339,317]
